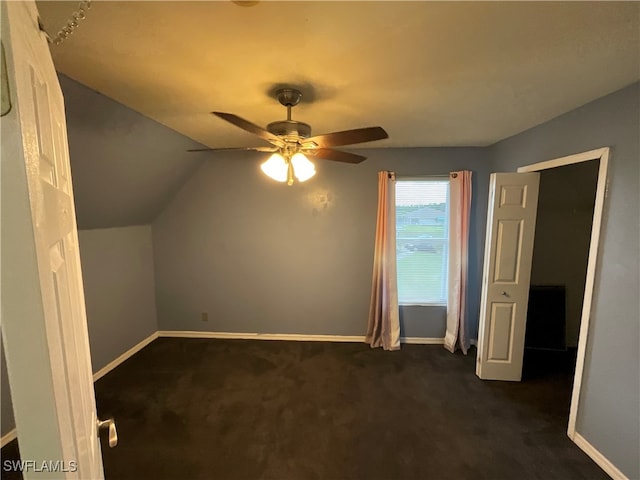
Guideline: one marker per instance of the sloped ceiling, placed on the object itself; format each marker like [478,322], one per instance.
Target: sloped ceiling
[125,167]
[430,73]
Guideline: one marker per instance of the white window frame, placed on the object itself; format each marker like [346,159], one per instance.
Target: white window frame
[445,266]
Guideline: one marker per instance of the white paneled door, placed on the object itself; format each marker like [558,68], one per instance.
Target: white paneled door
[511,219]
[43,312]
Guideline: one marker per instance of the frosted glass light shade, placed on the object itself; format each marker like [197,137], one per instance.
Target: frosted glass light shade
[275,167]
[303,169]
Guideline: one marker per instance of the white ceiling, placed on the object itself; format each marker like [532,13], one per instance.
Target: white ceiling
[430,73]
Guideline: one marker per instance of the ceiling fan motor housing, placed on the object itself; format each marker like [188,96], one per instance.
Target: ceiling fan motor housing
[290,128]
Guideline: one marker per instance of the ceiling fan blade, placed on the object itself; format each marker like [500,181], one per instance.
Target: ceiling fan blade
[230,149]
[250,127]
[335,155]
[348,137]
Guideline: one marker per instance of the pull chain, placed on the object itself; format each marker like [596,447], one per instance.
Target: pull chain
[72,23]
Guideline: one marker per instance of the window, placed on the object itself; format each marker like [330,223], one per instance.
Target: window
[422,240]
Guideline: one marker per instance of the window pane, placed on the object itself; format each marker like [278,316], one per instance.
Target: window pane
[422,241]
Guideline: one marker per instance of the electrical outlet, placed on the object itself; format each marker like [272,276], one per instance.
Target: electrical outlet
[205,317]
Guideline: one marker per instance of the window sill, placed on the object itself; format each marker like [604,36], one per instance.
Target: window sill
[422,304]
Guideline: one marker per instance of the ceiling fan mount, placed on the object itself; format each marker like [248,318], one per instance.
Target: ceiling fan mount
[289,97]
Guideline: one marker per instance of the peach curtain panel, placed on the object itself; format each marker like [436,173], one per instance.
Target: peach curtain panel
[459,217]
[384,318]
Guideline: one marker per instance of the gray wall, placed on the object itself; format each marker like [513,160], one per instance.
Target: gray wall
[117,269]
[609,400]
[563,234]
[258,256]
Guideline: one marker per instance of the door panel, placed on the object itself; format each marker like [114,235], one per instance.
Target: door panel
[511,217]
[508,246]
[501,332]
[44,319]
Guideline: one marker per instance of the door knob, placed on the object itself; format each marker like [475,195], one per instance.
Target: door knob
[504,294]
[109,424]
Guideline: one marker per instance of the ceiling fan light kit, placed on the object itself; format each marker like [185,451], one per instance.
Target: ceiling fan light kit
[283,169]
[292,139]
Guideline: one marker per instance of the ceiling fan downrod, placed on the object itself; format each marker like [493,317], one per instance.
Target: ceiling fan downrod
[289,97]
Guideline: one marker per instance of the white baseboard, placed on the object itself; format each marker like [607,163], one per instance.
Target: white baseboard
[261,336]
[598,457]
[133,350]
[293,337]
[8,437]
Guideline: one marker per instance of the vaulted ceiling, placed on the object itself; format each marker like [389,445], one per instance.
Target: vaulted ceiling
[430,73]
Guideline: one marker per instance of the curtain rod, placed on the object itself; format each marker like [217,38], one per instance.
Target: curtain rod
[421,177]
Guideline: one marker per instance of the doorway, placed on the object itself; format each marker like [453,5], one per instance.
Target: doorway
[566,204]
[560,185]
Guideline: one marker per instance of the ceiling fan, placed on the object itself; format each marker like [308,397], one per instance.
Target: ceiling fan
[292,141]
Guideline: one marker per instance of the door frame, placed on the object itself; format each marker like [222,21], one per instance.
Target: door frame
[601,154]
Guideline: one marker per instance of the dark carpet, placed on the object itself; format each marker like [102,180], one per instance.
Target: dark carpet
[236,409]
